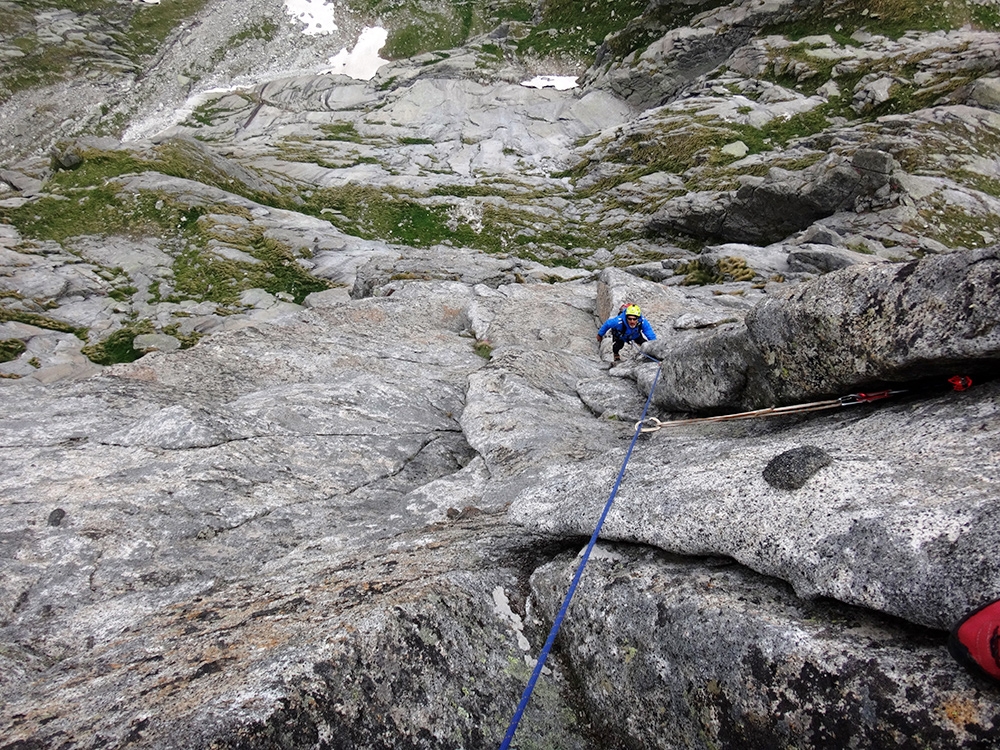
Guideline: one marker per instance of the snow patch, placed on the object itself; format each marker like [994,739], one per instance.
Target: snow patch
[560,83]
[317,15]
[363,61]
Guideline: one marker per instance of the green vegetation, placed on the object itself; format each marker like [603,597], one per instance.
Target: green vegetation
[396,216]
[140,31]
[187,339]
[891,18]
[11,349]
[117,347]
[698,272]
[340,132]
[376,214]
[201,275]
[99,211]
[571,28]
[954,226]
[626,31]
[263,31]
[86,201]
[679,143]
[122,293]
[41,321]
[484,349]
[780,131]
[206,113]
[150,25]
[415,27]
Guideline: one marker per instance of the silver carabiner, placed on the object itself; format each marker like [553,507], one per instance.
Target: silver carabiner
[641,425]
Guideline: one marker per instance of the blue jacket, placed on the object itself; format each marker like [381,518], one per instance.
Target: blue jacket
[620,329]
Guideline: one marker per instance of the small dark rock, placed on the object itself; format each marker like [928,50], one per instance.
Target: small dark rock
[791,469]
[56,517]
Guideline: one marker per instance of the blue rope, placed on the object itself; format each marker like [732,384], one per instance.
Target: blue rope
[557,623]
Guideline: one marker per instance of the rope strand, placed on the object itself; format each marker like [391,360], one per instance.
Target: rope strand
[557,623]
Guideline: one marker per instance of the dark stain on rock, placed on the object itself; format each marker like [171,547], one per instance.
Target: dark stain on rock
[209,667]
[791,469]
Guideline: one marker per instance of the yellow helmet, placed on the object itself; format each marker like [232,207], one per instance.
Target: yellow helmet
[633,310]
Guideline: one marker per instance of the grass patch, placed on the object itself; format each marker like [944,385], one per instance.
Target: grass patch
[340,132]
[117,348]
[100,211]
[640,31]
[698,272]
[780,132]
[150,25]
[954,227]
[201,275]
[280,272]
[416,27]
[198,275]
[139,31]
[41,321]
[11,349]
[375,214]
[263,31]
[187,339]
[574,29]
[891,18]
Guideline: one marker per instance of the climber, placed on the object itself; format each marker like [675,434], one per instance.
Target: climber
[627,326]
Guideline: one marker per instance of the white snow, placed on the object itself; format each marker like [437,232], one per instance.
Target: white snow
[363,61]
[317,15]
[560,83]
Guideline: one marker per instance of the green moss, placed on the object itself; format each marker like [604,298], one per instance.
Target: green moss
[117,347]
[375,214]
[122,293]
[41,321]
[11,349]
[484,349]
[187,339]
[200,276]
[42,65]
[491,51]
[208,113]
[279,271]
[139,30]
[780,131]
[986,16]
